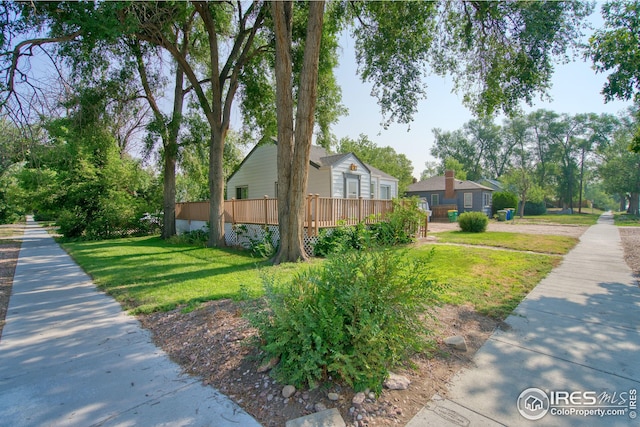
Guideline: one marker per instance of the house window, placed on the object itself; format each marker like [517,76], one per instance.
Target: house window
[385,192]
[242,192]
[486,200]
[435,199]
[468,200]
[351,186]
[373,191]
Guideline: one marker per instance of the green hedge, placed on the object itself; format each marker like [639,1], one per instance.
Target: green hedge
[473,222]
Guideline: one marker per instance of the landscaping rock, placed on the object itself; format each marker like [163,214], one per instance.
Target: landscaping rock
[358,399]
[458,342]
[288,391]
[319,407]
[397,382]
[333,396]
[329,417]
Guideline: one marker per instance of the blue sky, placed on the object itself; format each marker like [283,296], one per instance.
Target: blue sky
[575,89]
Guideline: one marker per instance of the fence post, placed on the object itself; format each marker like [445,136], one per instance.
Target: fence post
[233,211]
[266,212]
[308,207]
[317,207]
[360,209]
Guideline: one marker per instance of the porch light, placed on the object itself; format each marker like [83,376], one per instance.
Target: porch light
[353,167]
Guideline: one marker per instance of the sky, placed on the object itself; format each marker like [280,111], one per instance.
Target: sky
[575,89]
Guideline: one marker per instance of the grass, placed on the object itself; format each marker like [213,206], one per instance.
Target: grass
[625,219]
[148,274]
[542,243]
[494,282]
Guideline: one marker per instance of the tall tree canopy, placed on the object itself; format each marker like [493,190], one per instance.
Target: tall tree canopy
[616,49]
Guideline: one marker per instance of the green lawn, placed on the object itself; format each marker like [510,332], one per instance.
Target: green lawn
[625,219]
[494,282]
[148,274]
[542,243]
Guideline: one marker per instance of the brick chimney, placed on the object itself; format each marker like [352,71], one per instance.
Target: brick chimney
[449,185]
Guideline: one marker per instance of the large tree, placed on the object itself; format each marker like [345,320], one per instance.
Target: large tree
[616,49]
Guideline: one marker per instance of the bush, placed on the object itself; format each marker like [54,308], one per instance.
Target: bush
[341,239]
[352,318]
[473,222]
[531,208]
[502,200]
[400,227]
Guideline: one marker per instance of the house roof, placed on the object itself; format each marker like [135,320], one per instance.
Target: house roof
[319,157]
[437,183]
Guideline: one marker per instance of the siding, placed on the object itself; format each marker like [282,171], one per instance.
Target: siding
[258,172]
[338,173]
[319,182]
[390,183]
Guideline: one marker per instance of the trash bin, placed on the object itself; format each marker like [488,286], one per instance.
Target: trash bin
[509,214]
[453,215]
[502,215]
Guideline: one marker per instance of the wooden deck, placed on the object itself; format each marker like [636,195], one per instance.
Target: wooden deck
[320,212]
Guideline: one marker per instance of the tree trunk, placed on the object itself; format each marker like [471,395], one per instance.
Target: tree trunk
[634,200]
[294,147]
[216,188]
[170,156]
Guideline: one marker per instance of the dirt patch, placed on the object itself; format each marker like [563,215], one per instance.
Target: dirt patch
[9,251]
[515,227]
[630,237]
[213,342]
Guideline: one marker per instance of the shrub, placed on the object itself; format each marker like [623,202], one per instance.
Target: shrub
[503,199]
[259,243]
[352,318]
[473,222]
[341,239]
[401,225]
[531,208]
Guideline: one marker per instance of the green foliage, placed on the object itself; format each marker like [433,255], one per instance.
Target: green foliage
[193,237]
[473,222]
[399,227]
[535,208]
[502,200]
[341,239]
[616,48]
[259,244]
[352,318]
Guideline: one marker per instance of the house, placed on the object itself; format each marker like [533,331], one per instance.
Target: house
[330,175]
[494,184]
[466,196]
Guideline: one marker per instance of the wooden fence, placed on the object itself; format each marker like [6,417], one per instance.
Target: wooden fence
[320,212]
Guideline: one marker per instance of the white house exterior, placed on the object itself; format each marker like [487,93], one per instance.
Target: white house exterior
[335,175]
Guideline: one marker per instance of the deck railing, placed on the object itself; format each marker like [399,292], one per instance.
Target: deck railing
[320,212]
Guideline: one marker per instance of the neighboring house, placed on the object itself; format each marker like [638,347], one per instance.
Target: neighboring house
[494,184]
[330,175]
[446,190]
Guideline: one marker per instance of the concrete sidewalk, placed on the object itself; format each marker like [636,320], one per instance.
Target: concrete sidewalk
[577,331]
[69,356]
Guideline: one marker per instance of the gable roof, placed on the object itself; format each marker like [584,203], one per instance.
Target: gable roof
[319,157]
[437,183]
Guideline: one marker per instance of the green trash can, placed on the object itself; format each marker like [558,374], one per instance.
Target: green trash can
[453,215]
[502,215]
